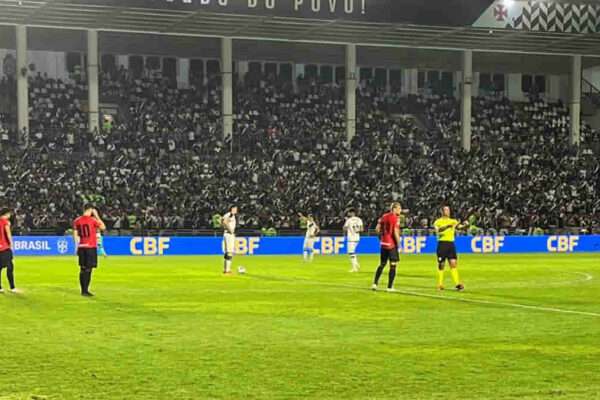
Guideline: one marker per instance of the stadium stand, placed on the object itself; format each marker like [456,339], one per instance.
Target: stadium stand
[162,165]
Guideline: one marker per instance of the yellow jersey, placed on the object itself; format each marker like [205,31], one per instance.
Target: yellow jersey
[448,234]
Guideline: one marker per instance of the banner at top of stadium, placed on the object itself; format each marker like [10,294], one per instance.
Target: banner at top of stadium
[418,12]
[542,16]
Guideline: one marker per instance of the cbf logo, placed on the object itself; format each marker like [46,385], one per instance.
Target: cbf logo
[487,244]
[562,244]
[62,246]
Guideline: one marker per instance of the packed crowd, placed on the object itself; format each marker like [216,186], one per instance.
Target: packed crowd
[161,163]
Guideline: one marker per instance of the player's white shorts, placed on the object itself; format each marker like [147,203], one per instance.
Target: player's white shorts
[228,243]
[309,243]
[352,247]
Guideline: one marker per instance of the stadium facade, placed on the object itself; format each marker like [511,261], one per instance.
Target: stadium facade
[555,39]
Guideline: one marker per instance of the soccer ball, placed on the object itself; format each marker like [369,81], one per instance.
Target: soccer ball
[241,270]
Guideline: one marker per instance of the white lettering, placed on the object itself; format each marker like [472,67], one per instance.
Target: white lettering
[297,4]
[252,3]
[349,6]
[270,4]
[332,4]
[315,5]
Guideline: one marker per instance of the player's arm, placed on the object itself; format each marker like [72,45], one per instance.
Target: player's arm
[378,227]
[317,229]
[8,235]
[75,236]
[101,224]
[345,228]
[397,234]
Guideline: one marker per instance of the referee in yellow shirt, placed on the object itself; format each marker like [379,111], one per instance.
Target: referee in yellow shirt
[445,229]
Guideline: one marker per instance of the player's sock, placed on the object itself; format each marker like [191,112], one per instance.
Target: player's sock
[10,276]
[378,274]
[455,276]
[440,280]
[311,255]
[391,276]
[82,277]
[305,255]
[227,264]
[88,280]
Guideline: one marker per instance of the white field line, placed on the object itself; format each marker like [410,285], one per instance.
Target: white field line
[587,276]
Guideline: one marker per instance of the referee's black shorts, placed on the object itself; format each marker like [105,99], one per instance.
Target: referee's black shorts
[446,251]
[390,255]
[6,259]
[88,258]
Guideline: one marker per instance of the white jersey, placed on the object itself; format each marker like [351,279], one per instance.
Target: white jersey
[230,227]
[353,226]
[311,229]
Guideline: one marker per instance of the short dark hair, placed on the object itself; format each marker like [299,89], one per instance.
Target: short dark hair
[352,211]
[5,211]
[87,206]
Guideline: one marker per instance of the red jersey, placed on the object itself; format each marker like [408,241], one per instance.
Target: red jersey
[4,241]
[388,224]
[86,228]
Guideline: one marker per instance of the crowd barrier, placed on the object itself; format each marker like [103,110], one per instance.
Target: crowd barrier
[159,246]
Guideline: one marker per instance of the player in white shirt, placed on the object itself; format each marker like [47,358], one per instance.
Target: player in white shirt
[312,230]
[229,224]
[352,229]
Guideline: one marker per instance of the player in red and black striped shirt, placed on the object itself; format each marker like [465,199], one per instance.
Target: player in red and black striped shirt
[388,229]
[84,233]
[6,254]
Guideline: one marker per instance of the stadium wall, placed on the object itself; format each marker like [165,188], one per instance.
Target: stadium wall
[171,246]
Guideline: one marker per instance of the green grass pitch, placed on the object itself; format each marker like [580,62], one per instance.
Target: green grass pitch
[528,327]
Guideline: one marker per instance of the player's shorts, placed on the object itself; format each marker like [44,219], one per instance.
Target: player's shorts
[390,255]
[446,251]
[88,258]
[6,258]
[228,243]
[309,243]
[352,247]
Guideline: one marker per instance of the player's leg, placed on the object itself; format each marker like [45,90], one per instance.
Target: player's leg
[309,249]
[394,259]
[455,275]
[305,250]
[228,257]
[453,261]
[10,274]
[87,261]
[383,259]
[440,272]
[353,257]
[1,268]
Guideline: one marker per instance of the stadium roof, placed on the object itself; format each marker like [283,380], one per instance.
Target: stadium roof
[113,16]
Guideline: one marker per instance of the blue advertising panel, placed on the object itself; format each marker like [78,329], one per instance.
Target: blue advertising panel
[159,246]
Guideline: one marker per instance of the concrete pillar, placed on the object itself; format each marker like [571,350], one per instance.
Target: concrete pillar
[350,91]
[466,104]
[93,86]
[183,73]
[22,83]
[457,85]
[388,84]
[410,81]
[514,87]
[575,102]
[227,81]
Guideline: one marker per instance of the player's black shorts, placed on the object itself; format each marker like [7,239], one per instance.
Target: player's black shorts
[390,255]
[446,251]
[88,258]
[6,258]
